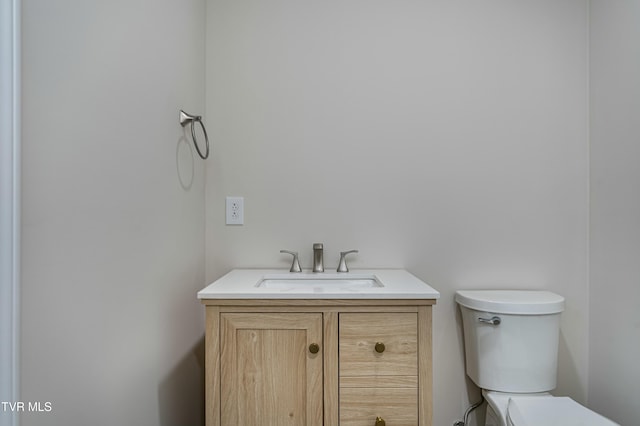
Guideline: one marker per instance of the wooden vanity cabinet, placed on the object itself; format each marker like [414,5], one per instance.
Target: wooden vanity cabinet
[318,362]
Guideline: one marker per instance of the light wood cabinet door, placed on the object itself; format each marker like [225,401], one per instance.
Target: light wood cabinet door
[270,377]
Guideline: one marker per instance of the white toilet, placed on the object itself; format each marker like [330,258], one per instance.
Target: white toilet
[511,349]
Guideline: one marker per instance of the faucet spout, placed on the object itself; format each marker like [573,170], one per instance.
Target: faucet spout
[318,264]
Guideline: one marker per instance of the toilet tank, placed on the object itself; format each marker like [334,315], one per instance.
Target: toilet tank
[511,338]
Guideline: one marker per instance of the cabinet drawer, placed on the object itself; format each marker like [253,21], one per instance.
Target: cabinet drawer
[358,335]
[361,406]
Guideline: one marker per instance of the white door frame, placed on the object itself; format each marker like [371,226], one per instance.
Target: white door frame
[9,207]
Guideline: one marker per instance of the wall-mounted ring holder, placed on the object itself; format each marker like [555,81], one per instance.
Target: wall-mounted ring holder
[190,119]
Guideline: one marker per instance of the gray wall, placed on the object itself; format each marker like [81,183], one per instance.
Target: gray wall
[113,212]
[614,341]
[447,138]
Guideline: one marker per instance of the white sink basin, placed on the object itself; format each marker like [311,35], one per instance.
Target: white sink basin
[319,283]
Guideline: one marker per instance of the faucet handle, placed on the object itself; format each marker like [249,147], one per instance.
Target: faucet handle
[295,265]
[342,266]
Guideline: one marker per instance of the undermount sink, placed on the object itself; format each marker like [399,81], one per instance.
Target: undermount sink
[318,283]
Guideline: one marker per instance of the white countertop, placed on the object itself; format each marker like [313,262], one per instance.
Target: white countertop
[243,284]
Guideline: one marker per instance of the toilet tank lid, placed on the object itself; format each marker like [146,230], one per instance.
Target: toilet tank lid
[517,302]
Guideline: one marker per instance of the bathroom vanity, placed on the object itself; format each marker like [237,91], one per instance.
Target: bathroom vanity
[318,349]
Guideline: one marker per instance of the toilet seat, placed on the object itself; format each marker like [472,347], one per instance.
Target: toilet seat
[549,410]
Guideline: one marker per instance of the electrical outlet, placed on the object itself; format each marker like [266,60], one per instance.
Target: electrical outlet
[235,210]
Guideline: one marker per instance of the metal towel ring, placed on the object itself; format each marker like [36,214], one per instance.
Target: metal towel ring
[188,118]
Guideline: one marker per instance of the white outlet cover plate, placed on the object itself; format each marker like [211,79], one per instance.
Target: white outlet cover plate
[235,211]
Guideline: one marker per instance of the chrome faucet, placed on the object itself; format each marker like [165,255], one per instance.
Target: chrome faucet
[318,265]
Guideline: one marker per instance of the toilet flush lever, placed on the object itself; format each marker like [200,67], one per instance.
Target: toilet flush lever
[493,320]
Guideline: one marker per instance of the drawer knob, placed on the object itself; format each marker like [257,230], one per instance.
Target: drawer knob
[380,348]
[314,348]
[380,421]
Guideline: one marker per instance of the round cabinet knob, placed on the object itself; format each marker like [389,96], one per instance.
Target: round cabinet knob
[380,421]
[314,348]
[380,348]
